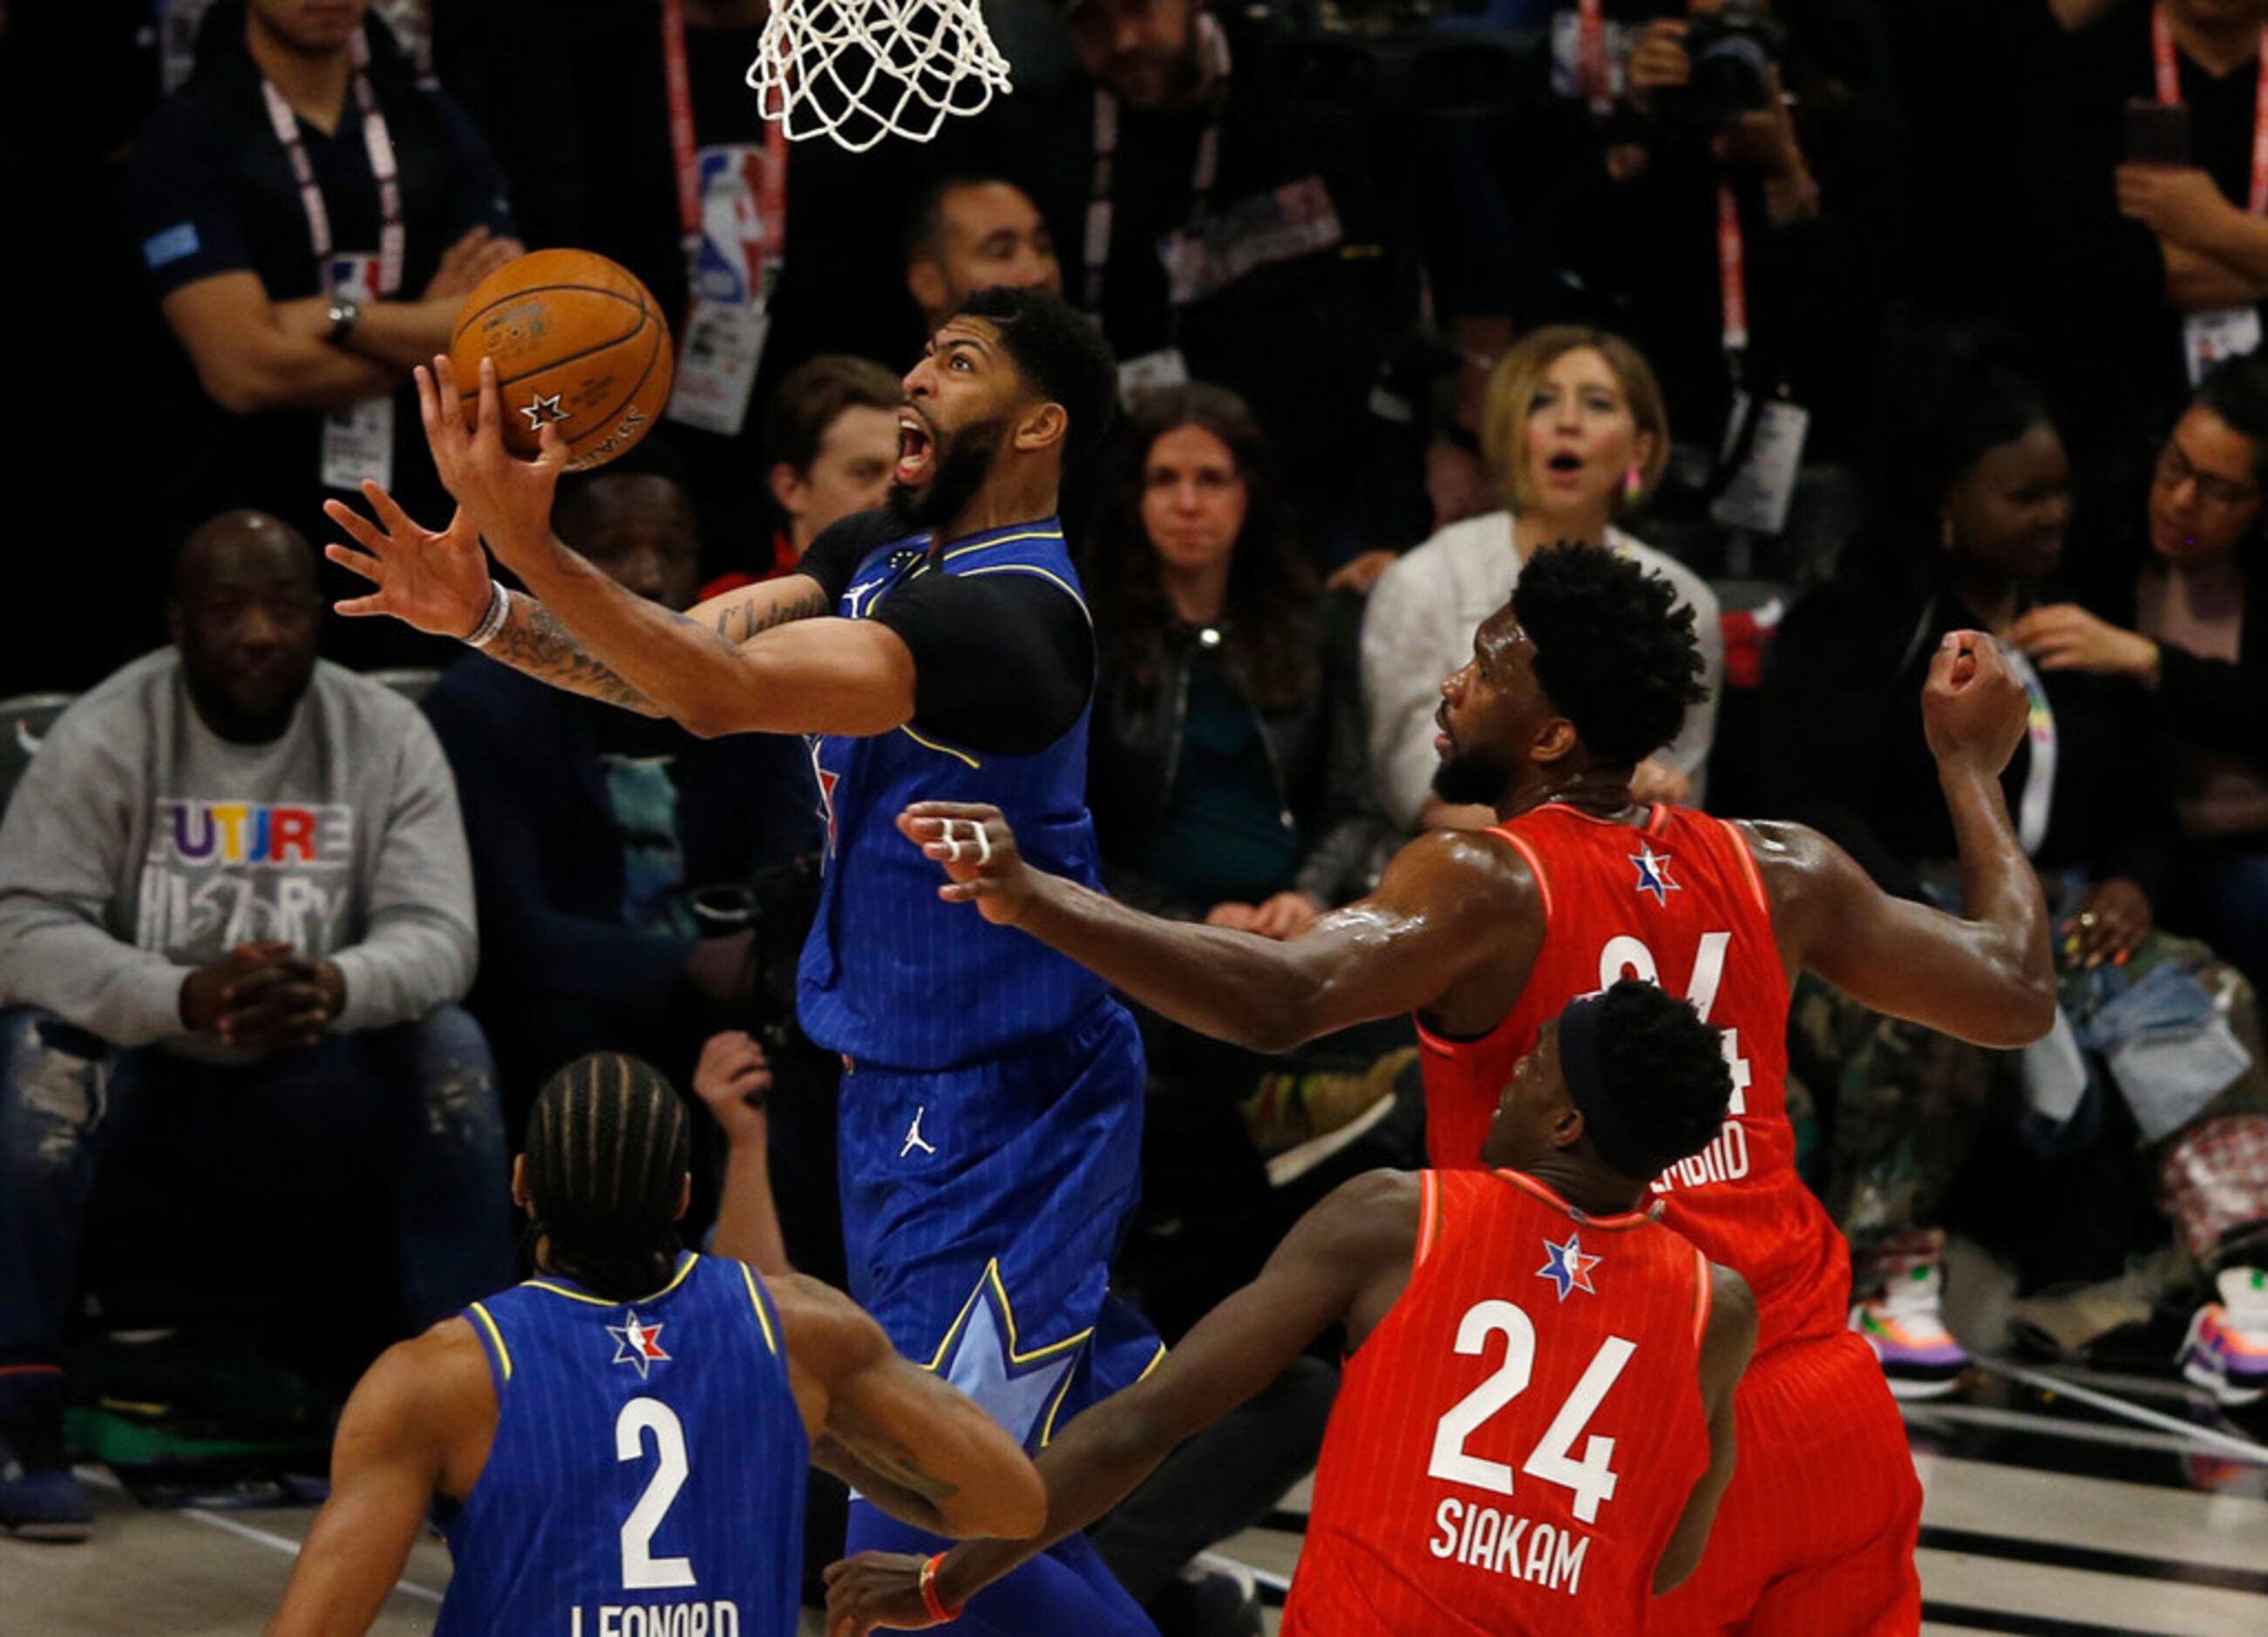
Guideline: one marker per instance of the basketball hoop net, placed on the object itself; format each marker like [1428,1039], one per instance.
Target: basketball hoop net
[859,70]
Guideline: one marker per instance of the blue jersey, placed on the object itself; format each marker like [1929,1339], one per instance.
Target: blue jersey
[648,1469]
[892,974]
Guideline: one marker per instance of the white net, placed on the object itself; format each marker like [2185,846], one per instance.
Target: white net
[859,70]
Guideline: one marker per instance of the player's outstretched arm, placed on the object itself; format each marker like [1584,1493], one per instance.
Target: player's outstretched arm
[722,669]
[1725,1348]
[1988,977]
[914,1445]
[390,1456]
[1340,1259]
[1447,904]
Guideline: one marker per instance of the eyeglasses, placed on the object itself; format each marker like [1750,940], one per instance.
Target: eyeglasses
[2174,469]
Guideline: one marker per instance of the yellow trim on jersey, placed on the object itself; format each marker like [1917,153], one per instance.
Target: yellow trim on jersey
[1005,539]
[601,1301]
[1069,590]
[748,1278]
[932,744]
[503,1352]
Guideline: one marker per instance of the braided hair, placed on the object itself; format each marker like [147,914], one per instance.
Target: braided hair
[608,1146]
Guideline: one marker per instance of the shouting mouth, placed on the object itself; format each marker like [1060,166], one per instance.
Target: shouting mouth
[917,447]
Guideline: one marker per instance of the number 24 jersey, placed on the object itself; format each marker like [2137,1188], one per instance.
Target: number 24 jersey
[1515,1443]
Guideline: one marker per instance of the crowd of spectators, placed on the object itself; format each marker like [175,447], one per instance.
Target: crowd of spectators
[1894,317]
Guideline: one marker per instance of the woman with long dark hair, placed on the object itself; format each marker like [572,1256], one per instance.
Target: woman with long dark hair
[1227,772]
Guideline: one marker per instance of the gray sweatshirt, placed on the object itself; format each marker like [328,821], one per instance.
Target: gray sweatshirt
[140,844]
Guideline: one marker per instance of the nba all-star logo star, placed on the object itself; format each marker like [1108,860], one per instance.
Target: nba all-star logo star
[1567,1267]
[637,1343]
[539,409]
[1653,873]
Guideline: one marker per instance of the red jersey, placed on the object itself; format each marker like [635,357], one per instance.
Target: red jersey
[1514,1444]
[1680,902]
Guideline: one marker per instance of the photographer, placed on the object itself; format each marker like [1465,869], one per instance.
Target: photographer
[2145,208]
[1729,199]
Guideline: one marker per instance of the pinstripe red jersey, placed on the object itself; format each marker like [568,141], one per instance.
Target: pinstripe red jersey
[1677,902]
[1514,1444]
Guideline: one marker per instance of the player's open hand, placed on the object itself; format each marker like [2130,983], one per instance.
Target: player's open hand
[875,1592]
[1973,709]
[508,498]
[973,842]
[436,582]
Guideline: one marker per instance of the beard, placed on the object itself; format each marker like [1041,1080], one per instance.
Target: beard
[962,462]
[1473,779]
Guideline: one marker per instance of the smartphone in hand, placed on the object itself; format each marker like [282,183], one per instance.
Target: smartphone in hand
[2157,133]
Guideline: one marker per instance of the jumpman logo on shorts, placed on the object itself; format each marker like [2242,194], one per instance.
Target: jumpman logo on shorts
[914,1139]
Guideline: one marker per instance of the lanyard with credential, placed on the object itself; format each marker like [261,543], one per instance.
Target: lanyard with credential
[1212,44]
[686,151]
[2036,802]
[1733,277]
[391,237]
[2169,93]
[1591,57]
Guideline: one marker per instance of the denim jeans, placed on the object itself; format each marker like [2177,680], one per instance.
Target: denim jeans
[414,1104]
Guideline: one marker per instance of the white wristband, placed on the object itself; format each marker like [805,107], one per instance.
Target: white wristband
[493,621]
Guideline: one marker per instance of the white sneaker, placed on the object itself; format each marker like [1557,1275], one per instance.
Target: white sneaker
[2225,1352]
[1906,1329]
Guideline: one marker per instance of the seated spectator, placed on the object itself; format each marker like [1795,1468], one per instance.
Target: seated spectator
[235,912]
[592,829]
[2143,264]
[831,439]
[1226,773]
[1977,504]
[2169,611]
[968,233]
[303,308]
[1575,430]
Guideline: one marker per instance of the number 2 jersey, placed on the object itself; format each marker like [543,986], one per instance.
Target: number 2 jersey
[1513,1445]
[1679,902]
[647,1474]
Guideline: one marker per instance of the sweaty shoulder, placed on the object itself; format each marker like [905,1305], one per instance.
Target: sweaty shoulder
[1469,872]
[1804,874]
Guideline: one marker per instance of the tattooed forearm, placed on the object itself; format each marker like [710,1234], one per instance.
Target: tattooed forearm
[890,1476]
[758,613]
[532,640]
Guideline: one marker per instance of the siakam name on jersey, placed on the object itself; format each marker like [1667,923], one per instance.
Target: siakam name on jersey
[1485,1538]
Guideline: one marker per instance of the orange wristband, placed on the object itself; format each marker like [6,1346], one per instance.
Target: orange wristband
[932,1604]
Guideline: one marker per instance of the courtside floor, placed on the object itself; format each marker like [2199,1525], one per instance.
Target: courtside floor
[2067,1502]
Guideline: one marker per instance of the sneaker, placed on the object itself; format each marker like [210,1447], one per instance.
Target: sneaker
[42,1503]
[2225,1352]
[1297,1120]
[1921,1359]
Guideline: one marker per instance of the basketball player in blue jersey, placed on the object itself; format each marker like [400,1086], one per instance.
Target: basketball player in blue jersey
[623,1438]
[938,649]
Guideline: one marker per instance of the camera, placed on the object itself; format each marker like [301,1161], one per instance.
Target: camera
[1729,51]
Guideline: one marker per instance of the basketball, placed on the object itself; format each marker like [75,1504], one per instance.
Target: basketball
[579,344]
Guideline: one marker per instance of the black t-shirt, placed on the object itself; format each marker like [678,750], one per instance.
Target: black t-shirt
[2095,283]
[1003,663]
[213,192]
